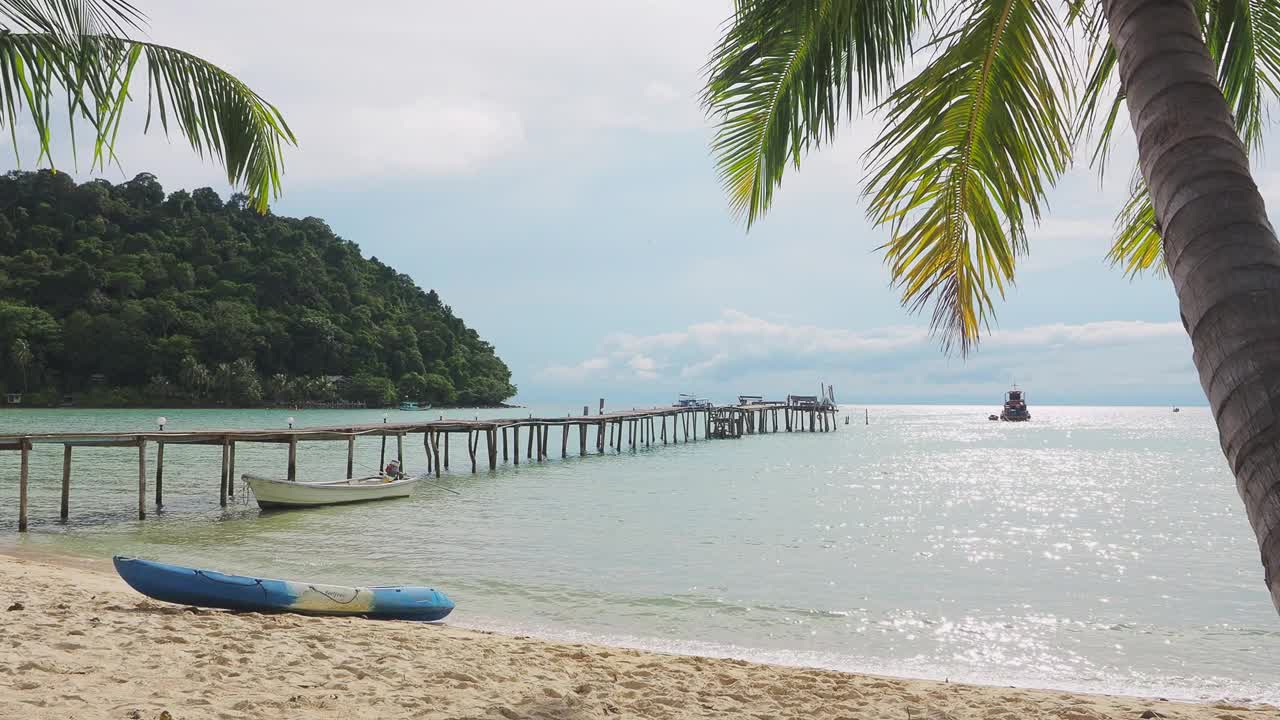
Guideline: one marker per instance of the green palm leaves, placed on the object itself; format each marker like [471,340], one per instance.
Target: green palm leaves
[1243,37]
[972,142]
[783,75]
[78,50]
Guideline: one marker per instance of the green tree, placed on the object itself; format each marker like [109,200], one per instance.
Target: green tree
[193,376]
[972,141]
[373,390]
[439,389]
[84,47]
[20,354]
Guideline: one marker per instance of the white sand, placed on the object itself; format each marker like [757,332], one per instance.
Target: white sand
[86,646]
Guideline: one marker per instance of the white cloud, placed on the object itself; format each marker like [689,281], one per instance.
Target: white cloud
[1094,334]
[741,348]
[429,136]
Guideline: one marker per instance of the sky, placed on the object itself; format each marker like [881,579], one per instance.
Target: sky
[545,167]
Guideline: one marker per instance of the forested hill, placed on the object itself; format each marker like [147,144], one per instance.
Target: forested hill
[119,295]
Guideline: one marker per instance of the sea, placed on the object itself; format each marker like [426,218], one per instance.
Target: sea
[1099,549]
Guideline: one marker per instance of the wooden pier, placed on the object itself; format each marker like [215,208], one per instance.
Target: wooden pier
[614,431]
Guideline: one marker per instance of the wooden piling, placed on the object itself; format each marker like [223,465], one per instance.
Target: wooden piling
[293,457]
[582,439]
[472,441]
[351,455]
[564,441]
[24,471]
[142,479]
[447,437]
[400,449]
[515,442]
[528,451]
[66,480]
[231,471]
[435,445]
[382,454]
[504,445]
[491,446]
[222,485]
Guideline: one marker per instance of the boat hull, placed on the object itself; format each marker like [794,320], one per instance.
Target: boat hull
[211,589]
[274,494]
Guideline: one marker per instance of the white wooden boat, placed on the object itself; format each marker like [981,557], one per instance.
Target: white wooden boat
[274,494]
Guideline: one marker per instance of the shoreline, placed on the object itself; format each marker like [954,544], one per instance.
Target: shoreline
[85,645]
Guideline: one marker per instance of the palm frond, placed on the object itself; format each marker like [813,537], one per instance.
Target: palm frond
[973,143]
[785,74]
[216,113]
[70,20]
[1137,246]
[1243,37]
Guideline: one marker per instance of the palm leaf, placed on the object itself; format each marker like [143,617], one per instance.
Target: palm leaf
[70,20]
[972,144]
[785,74]
[217,114]
[1243,37]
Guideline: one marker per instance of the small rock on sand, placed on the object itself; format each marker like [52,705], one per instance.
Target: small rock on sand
[17,606]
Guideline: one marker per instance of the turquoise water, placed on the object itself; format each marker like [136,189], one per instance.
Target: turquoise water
[1099,549]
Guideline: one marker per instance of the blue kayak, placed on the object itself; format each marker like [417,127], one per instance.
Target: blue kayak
[207,588]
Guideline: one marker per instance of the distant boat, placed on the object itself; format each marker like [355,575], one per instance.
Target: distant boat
[1015,407]
[273,494]
[413,406]
[211,589]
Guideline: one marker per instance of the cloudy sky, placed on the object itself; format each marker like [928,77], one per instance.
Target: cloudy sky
[544,166]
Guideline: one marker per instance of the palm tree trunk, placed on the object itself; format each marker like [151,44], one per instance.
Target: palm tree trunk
[1222,253]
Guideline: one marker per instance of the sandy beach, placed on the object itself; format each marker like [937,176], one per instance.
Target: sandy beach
[76,642]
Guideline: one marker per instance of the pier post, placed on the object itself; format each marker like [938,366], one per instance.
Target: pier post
[435,445]
[446,449]
[515,442]
[142,479]
[231,471]
[564,441]
[472,441]
[426,447]
[400,449]
[619,435]
[382,456]
[351,455]
[222,484]
[528,451]
[582,439]
[504,444]
[600,437]
[293,456]
[542,444]
[24,471]
[66,481]
[491,446]
[66,467]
